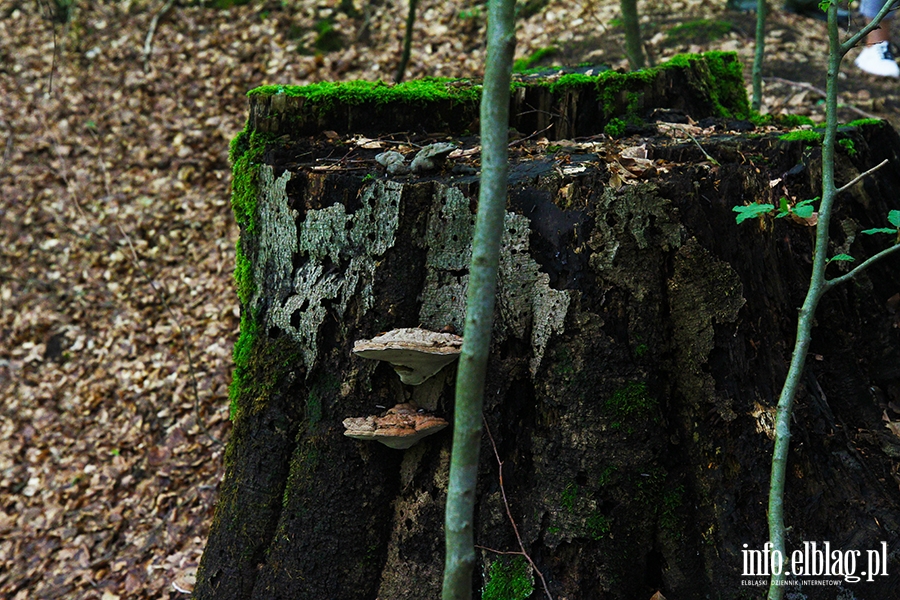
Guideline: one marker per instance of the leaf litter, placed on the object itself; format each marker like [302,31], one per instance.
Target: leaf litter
[111,175]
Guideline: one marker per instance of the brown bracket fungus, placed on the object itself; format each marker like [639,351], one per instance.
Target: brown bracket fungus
[416,354]
[400,427]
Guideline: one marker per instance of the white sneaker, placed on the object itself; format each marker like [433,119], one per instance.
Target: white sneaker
[878,60]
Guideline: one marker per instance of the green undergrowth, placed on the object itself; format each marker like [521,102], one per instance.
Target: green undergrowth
[537,56]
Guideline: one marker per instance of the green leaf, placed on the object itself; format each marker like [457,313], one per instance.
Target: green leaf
[894,218]
[751,211]
[824,4]
[804,211]
[840,257]
[783,208]
[879,230]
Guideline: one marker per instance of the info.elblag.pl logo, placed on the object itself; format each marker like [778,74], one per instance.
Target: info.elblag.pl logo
[815,560]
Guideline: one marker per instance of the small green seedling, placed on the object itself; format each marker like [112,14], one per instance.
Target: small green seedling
[751,211]
[803,210]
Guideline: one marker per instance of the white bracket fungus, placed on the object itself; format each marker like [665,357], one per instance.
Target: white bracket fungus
[416,354]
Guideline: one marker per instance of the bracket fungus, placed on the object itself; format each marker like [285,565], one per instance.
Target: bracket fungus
[400,427]
[416,354]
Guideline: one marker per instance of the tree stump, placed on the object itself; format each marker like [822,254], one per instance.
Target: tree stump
[641,339]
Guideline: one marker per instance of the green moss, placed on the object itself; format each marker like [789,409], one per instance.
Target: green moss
[630,402]
[250,356]
[794,120]
[508,579]
[640,350]
[359,92]
[801,135]
[865,122]
[848,145]
[698,31]
[728,93]
[245,153]
[536,57]
[568,496]
[668,507]
[327,37]
[573,80]
[469,13]
[615,128]
[265,361]
[605,477]
[325,385]
[597,526]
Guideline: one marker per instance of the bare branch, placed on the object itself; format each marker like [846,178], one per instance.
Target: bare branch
[830,283]
[850,184]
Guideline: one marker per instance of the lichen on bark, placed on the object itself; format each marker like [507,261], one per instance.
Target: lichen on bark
[338,254]
[525,300]
[632,220]
[703,291]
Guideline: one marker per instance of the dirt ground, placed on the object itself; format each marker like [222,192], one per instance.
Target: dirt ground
[117,313]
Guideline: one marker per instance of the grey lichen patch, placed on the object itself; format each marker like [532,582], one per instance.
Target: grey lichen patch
[702,291]
[277,237]
[526,304]
[628,222]
[331,237]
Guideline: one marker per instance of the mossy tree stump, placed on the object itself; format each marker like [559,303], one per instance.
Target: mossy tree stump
[641,339]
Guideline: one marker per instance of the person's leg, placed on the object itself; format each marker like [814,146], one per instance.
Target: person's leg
[876,57]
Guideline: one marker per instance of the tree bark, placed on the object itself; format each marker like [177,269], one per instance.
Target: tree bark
[639,343]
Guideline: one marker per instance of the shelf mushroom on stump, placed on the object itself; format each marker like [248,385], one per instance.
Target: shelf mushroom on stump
[416,354]
[400,427]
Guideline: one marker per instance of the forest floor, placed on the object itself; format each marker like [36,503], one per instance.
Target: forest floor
[117,312]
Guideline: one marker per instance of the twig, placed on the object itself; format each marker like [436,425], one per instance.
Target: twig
[849,184]
[512,521]
[154,23]
[821,92]
[830,283]
[55,48]
[528,137]
[705,153]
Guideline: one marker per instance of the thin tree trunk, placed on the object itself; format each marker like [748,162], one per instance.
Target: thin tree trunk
[460,549]
[407,41]
[817,287]
[756,74]
[634,47]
